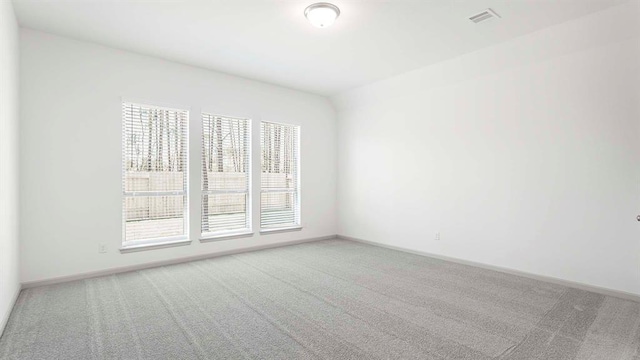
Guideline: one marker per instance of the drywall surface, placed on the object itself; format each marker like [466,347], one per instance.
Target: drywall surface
[525,155]
[9,62]
[71,151]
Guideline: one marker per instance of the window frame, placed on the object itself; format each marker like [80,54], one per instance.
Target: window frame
[297,191]
[134,245]
[234,233]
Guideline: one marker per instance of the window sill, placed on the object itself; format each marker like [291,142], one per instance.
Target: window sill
[280,230]
[153,246]
[226,236]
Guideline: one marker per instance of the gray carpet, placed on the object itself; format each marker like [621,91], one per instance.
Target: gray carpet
[331,299]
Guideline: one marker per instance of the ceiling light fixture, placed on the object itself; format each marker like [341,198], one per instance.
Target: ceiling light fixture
[321,15]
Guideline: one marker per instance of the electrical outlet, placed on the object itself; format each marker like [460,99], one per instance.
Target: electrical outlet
[437,236]
[102,248]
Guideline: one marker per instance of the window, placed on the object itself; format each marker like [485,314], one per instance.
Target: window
[154,180]
[226,176]
[280,183]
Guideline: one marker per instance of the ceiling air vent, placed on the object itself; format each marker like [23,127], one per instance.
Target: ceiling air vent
[484,16]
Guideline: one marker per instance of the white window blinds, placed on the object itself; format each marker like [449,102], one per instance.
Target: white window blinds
[280,178]
[154,180]
[226,175]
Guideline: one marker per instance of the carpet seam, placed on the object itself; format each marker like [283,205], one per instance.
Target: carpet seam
[217,325]
[535,327]
[376,310]
[278,325]
[374,330]
[337,307]
[265,316]
[96,343]
[127,314]
[410,282]
[401,300]
[183,328]
[327,299]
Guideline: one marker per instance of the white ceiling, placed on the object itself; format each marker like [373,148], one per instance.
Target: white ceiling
[271,41]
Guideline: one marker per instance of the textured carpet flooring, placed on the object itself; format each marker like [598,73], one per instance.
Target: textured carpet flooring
[331,299]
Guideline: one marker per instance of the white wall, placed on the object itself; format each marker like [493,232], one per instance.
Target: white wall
[71,151]
[525,155]
[9,50]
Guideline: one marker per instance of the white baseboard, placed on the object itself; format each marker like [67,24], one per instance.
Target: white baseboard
[88,275]
[5,318]
[568,283]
